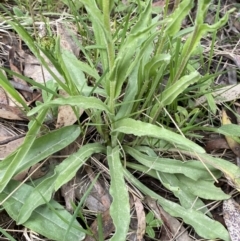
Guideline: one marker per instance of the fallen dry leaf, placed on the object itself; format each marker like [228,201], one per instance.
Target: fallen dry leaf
[232,76]
[66,115]
[221,95]
[216,144]
[235,146]
[36,171]
[3,96]
[5,132]
[226,93]
[11,113]
[99,199]
[33,69]
[68,193]
[234,57]
[141,218]
[159,3]
[10,147]
[68,37]
[107,225]
[231,215]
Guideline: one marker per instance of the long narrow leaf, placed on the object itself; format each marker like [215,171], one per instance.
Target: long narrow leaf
[205,189]
[64,172]
[171,182]
[139,128]
[203,225]
[231,171]
[9,89]
[43,220]
[120,208]
[44,189]
[68,168]
[171,93]
[42,147]
[21,154]
[192,169]
[80,101]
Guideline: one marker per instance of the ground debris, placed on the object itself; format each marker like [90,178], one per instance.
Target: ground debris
[231,214]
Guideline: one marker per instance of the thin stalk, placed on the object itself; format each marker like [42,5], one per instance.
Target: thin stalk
[214,36]
[110,52]
[186,58]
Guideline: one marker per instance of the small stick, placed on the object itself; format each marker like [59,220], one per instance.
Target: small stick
[19,86]
[11,139]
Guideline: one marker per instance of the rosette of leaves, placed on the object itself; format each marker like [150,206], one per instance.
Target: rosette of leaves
[126,102]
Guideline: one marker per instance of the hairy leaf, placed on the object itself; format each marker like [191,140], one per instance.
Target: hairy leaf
[139,128]
[203,189]
[80,101]
[203,225]
[45,221]
[192,169]
[41,148]
[120,208]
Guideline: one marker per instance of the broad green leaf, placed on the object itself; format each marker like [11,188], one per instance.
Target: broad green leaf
[80,101]
[138,128]
[129,96]
[103,4]
[41,148]
[124,63]
[120,208]
[178,16]
[211,102]
[203,225]
[149,78]
[52,225]
[230,171]
[40,194]
[153,65]
[64,172]
[140,83]
[171,182]
[203,189]
[202,11]
[171,93]
[192,169]
[229,130]
[77,66]
[186,198]
[19,157]
[144,19]
[68,168]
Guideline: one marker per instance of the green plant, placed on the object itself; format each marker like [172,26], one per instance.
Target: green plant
[152,223]
[145,70]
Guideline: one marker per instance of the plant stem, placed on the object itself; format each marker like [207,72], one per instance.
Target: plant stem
[110,52]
